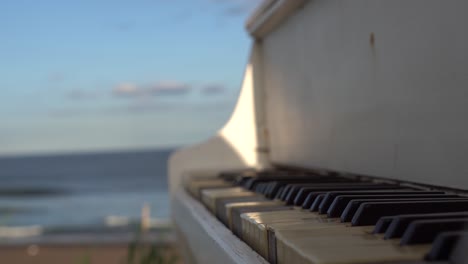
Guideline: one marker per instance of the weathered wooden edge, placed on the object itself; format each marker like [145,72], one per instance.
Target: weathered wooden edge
[209,241]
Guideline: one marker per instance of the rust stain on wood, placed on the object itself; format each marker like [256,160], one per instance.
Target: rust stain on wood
[372,39]
[373,47]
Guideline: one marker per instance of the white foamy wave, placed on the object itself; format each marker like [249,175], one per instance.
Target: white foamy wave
[113,221]
[116,221]
[20,231]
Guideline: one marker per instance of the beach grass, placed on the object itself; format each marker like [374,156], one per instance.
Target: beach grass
[141,253]
[88,254]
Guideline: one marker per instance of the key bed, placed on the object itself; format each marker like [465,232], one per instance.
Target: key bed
[290,217]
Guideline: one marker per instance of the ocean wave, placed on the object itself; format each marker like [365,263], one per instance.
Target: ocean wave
[20,231]
[31,192]
[113,221]
[120,221]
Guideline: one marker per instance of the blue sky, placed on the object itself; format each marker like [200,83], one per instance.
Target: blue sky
[100,75]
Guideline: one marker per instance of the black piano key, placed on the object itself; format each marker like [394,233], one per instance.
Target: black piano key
[277,186]
[280,192]
[268,177]
[297,196]
[302,195]
[242,181]
[444,244]
[345,206]
[401,222]
[253,180]
[262,187]
[317,201]
[273,187]
[370,212]
[249,183]
[382,225]
[258,187]
[310,199]
[425,231]
[268,188]
[265,188]
[292,189]
[328,200]
[287,188]
[354,205]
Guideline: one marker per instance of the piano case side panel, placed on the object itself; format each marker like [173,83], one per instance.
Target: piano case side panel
[371,87]
[206,240]
[238,144]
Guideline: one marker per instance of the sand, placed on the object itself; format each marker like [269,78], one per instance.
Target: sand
[75,254]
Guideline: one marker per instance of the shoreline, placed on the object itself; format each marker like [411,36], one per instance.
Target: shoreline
[89,248]
[80,254]
[110,236]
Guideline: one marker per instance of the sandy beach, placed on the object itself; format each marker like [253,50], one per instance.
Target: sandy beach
[86,247]
[77,254]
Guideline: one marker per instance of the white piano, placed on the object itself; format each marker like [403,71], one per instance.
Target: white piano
[376,89]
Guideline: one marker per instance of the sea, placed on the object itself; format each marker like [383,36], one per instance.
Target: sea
[82,191]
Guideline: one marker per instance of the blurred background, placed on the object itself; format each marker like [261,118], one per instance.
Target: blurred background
[94,97]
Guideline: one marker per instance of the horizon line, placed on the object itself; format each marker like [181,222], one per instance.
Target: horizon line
[53,153]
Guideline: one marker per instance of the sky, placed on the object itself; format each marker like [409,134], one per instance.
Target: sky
[98,75]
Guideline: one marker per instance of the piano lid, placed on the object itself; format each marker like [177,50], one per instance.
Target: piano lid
[270,14]
[369,87]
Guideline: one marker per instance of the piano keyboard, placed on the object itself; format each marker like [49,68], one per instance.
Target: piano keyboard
[297,217]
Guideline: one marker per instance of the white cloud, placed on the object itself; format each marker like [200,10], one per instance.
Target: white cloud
[169,88]
[164,88]
[126,89]
[213,89]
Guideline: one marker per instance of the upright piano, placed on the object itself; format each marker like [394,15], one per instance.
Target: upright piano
[348,144]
